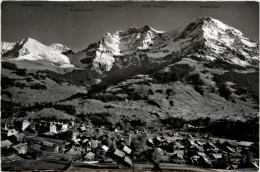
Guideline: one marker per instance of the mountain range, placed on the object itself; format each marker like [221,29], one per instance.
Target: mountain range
[206,68]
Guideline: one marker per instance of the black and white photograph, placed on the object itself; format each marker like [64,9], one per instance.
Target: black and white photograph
[133,86]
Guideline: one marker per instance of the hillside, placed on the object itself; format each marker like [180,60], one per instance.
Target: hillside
[209,69]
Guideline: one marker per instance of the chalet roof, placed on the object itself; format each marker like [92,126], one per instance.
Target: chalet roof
[104,147]
[119,153]
[217,155]
[253,164]
[192,142]
[128,160]
[230,149]
[74,151]
[127,150]
[112,135]
[47,143]
[178,154]
[19,135]
[49,134]
[232,142]
[151,141]
[200,149]
[179,145]
[201,154]
[37,146]
[159,150]
[200,143]
[190,126]
[195,157]
[206,160]
[83,128]
[19,146]
[12,132]
[244,143]
[5,143]
[85,140]
[89,155]
[94,143]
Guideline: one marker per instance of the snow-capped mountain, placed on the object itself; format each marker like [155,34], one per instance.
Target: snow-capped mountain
[123,46]
[140,71]
[213,40]
[204,37]
[7,46]
[32,50]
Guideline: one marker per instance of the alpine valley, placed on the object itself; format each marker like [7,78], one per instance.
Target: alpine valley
[208,69]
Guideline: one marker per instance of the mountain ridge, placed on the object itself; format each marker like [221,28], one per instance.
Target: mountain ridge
[204,38]
[150,73]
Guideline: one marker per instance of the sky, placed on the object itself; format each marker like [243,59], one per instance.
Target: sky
[78,24]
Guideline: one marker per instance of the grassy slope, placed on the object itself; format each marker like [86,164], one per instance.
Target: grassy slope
[147,98]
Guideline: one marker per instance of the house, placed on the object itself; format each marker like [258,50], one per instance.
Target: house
[128,161]
[105,148]
[6,148]
[127,150]
[201,154]
[178,155]
[189,143]
[94,143]
[19,137]
[119,153]
[49,134]
[25,124]
[11,132]
[178,145]
[74,151]
[90,156]
[82,129]
[150,142]
[48,144]
[6,144]
[37,147]
[195,159]
[64,127]
[216,156]
[209,145]
[53,128]
[72,124]
[74,135]
[230,143]
[200,149]
[244,144]
[229,149]
[56,149]
[20,148]
[205,162]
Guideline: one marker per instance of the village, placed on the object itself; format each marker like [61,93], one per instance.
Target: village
[66,144]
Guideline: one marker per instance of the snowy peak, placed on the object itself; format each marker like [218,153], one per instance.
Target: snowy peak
[203,37]
[7,46]
[124,43]
[142,29]
[216,40]
[32,50]
[60,47]
[208,27]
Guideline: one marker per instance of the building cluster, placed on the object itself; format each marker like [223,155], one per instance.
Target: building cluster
[205,152]
[85,143]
